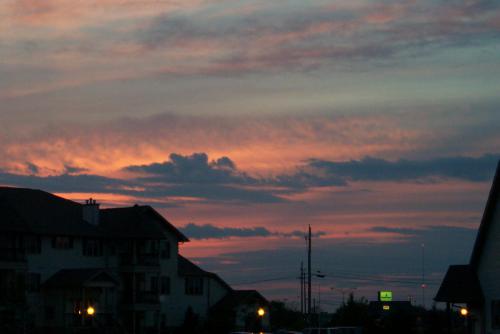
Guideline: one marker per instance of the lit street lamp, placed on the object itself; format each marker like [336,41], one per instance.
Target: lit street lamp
[261,312]
[90,311]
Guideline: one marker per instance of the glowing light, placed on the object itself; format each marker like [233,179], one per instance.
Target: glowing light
[464,312]
[385,296]
[90,310]
[386,307]
[261,312]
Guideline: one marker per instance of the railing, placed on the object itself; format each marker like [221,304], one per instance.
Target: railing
[12,255]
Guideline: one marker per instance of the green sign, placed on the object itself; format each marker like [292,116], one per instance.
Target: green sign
[385,296]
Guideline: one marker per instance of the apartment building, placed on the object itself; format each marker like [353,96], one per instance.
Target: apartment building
[66,265]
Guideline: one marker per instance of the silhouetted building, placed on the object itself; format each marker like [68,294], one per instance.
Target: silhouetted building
[67,265]
[477,284]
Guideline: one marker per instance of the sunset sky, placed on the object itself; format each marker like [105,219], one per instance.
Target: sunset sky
[377,122]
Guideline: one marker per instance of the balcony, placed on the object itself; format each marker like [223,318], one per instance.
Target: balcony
[12,255]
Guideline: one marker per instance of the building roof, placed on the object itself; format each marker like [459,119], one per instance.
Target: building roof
[76,278]
[39,212]
[460,285]
[188,268]
[241,297]
[136,222]
[487,220]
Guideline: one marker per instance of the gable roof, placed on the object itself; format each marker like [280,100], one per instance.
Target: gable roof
[76,278]
[136,222]
[188,268]
[39,212]
[240,297]
[460,285]
[487,220]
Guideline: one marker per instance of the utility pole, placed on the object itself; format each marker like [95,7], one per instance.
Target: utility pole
[309,273]
[423,275]
[302,287]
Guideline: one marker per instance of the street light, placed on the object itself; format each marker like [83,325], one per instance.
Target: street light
[261,312]
[464,311]
[90,310]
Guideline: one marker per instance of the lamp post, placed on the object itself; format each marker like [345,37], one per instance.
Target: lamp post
[319,274]
[260,313]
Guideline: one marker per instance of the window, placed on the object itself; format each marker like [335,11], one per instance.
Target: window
[165,285]
[153,246]
[154,284]
[165,250]
[194,285]
[92,247]
[495,314]
[60,242]
[33,244]
[33,282]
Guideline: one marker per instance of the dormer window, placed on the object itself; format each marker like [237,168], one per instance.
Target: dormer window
[62,242]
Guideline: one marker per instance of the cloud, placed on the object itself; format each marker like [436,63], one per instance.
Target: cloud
[209,231]
[68,169]
[307,37]
[478,169]
[194,168]
[190,176]
[195,176]
[32,168]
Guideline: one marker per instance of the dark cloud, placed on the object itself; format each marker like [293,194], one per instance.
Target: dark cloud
[372,169]
[65,182]
[220,180]
[209,231]
[32,168]
[193,168]
[397,230]
[74,170]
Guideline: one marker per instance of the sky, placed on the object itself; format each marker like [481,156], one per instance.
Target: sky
[242,122]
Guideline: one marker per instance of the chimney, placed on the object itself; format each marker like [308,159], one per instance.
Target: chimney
[91,212]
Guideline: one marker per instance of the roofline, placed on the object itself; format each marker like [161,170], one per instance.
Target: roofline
[180,235]
[486,220]
[204,273]
[166,224]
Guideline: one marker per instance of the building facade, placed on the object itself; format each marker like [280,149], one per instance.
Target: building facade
[477,284]
[69,266]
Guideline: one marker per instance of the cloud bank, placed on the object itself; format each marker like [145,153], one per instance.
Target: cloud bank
[209,231]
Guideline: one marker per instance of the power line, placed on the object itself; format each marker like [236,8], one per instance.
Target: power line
[355,277]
